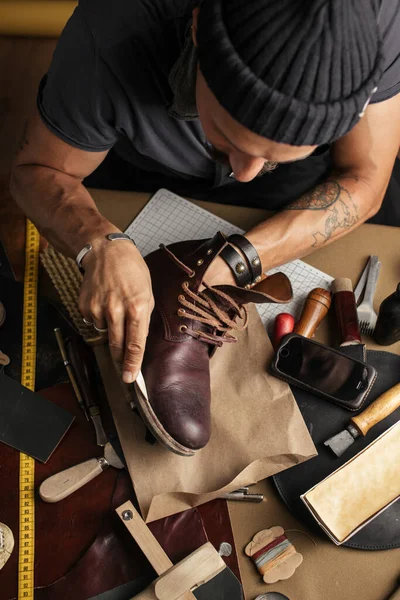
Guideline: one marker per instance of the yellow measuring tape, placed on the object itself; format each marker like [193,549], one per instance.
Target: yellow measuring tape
[26,558]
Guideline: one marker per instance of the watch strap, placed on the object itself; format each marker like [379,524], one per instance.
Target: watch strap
[237,264]
[250,253]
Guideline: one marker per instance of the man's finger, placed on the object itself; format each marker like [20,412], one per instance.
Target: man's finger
[135,342]
[116,331]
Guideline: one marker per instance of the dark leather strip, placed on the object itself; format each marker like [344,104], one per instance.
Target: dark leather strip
[237,265]
[250,253]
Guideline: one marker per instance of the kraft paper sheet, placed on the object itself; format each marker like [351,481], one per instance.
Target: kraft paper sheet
[257,430]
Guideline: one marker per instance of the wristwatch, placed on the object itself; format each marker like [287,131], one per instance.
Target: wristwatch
[112,237]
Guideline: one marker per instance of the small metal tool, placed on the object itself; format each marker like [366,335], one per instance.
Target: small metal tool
[225,549]
[367,316]
[359,425]
[69,369]
[240,496]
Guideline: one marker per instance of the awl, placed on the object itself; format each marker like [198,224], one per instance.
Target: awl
[381,408]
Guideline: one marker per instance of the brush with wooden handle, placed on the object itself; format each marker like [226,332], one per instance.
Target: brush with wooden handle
[359,425]
[315,308]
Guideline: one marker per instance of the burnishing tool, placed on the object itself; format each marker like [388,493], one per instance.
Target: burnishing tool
[203,575]
[63,484]
[315,308]
[359,425]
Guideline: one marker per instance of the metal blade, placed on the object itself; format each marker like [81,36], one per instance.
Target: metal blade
[340,442]
[111,457]
[361,282]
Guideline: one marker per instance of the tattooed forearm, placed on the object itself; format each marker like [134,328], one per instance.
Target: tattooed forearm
[340,209]
[342,215]
[321,197]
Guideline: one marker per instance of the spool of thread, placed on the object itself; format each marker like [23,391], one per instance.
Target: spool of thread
[273,554]
[315,308]
[345,306]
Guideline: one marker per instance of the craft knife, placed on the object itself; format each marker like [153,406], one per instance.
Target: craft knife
[359,425]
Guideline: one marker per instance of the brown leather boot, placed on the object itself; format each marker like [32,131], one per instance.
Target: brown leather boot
[186,327]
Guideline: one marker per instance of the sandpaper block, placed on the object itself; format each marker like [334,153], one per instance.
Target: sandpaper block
[30,423]
[360,490]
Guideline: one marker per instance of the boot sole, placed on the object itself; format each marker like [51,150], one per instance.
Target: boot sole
[153,424]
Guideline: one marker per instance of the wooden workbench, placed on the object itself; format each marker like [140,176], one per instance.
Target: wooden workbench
[328,572]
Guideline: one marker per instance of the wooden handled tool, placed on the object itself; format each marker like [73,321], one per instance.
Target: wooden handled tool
[63,484]
[359,425]
[175,582]
[344,302]
[314,310]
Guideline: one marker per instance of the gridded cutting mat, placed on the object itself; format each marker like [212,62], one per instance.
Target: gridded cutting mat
[167,218]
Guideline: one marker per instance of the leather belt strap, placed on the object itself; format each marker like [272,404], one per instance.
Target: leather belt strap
[237,265]
[250,253]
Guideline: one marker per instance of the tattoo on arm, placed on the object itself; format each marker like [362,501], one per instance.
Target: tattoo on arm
[336,200]
[322,196]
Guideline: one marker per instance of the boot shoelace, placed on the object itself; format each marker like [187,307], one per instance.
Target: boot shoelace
[210,314]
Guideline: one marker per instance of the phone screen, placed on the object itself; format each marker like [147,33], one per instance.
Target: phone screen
[322,369]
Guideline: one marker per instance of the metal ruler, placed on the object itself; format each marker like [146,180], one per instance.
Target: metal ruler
[26,557]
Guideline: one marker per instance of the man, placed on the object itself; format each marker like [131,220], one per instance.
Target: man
[287,105]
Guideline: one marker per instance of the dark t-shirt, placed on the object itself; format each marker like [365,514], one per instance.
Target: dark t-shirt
[108,87]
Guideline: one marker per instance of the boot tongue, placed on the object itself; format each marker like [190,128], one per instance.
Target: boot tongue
[275,288]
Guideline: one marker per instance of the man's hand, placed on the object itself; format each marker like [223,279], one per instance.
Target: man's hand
[116,294]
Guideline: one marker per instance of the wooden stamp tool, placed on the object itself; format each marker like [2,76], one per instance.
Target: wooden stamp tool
[314,310]
[202,575]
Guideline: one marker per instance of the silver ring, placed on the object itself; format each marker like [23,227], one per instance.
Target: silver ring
[100,330]
[88,323]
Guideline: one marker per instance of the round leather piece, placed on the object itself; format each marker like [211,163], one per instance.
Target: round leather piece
[324,420]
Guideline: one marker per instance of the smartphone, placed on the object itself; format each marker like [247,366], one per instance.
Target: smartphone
[323,371]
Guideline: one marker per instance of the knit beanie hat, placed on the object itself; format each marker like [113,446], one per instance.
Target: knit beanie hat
[300,72]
